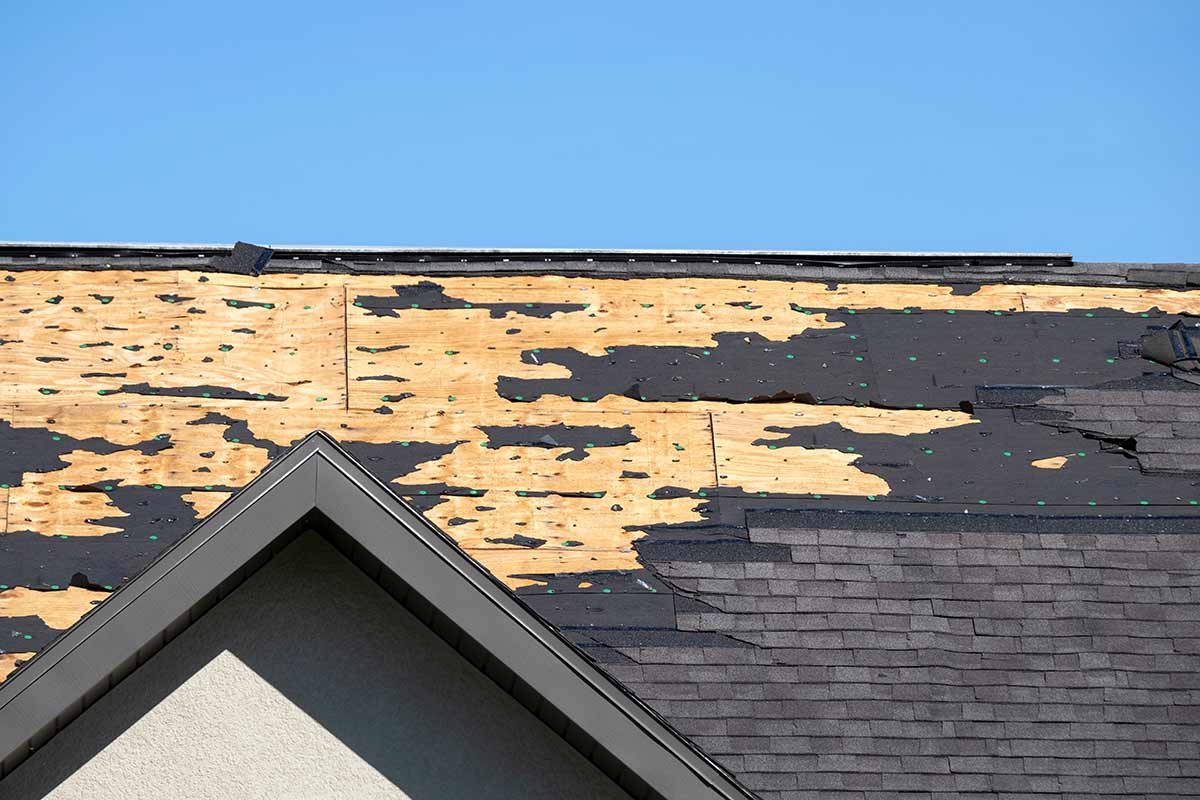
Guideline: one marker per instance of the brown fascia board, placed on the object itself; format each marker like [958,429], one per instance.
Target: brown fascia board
[318,485]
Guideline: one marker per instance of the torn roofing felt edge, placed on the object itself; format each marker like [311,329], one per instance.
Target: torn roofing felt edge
[318,485]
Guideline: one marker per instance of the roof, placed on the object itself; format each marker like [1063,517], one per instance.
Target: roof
[319,486]
[605,433]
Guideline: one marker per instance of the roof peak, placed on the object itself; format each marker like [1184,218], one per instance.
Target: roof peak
[318,485]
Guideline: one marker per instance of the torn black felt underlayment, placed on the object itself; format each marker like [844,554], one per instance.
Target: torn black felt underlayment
[892,358]
[578,439]
[432,297]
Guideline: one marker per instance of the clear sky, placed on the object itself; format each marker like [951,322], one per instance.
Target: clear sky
[1047,126]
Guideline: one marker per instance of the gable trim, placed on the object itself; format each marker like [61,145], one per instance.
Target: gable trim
[318,485]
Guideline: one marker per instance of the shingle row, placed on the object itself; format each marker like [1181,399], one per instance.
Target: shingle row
[941,664]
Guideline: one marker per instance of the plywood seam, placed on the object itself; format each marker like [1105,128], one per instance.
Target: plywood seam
[712,437]
[346,344]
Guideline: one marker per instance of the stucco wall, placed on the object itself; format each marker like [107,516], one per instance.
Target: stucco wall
[308,681]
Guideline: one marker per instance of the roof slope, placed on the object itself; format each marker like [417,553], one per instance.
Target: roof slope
[576,420]
[319,485]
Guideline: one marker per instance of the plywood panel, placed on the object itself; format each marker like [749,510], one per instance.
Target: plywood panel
[57,609]
[237,367]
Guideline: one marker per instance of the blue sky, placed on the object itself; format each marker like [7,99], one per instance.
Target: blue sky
[1047,126]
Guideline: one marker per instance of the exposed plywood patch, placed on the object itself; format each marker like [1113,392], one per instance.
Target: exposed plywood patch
[559,534]
[57,609]
[679,454]
[10,661]
[205,503]
[1053,462]
[78,336]
[43,505]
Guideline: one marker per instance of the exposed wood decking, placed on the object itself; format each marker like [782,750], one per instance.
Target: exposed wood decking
[550,423]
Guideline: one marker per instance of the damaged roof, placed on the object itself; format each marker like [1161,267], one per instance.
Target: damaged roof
[662,453]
